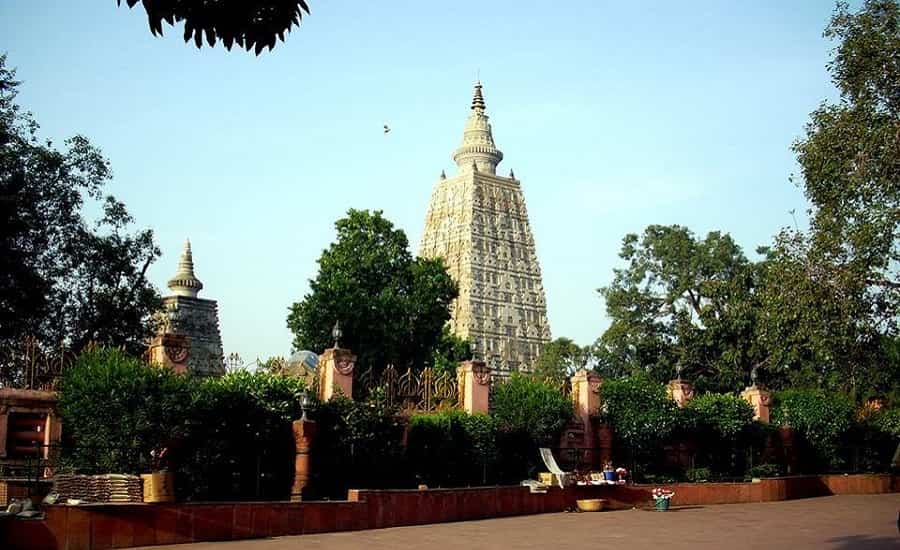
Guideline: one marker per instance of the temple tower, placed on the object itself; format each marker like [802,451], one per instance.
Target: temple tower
[477,222]
[184,314]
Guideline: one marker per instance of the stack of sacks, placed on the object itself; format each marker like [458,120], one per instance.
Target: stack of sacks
[124,488]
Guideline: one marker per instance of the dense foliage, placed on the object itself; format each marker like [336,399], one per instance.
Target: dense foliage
[559,359]
[253,26]
[227,437]
[116,410]
[392,307]
[65,278]
[452,448]
[820,308]
[820,418]
[722,430]
[240,444]
[357,445]
[641,414]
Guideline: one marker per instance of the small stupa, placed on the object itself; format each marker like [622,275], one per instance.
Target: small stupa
[186,315]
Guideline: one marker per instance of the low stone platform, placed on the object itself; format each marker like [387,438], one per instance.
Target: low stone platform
[103,526]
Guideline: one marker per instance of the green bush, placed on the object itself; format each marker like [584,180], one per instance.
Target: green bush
[452,448]
[241,445]
[529,413]
[821,419]
[641,414]
[887,421]
[719,425]
[357,446]
[724,415]
[766,470]
[695,475]
[116,410]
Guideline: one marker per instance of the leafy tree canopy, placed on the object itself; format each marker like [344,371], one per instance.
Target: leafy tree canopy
[251,24]
[560,359]
[392,307]
[65,279]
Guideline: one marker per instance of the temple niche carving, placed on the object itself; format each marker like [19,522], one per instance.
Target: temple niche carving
[477,222]
[191,321]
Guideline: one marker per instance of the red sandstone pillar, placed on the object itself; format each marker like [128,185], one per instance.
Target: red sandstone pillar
[304,431]
[474,379]
[336,373]
[759,398]
[680,391]
[586,395]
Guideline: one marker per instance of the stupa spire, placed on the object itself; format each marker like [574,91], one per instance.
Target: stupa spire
[477,151]
[184,282]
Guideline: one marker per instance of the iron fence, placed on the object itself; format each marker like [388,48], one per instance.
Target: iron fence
[422,390]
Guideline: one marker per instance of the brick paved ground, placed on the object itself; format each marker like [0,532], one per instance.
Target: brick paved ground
[864,522]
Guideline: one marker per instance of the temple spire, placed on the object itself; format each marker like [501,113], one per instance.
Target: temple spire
[477,98]
[184,282]
[477,151]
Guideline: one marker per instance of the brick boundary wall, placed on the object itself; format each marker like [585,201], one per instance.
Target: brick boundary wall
[103,526]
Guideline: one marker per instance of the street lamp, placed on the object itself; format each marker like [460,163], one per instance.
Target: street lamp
[336,333]
[304,402]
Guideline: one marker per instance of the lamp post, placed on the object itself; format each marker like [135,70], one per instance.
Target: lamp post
[304,402]
[336,333]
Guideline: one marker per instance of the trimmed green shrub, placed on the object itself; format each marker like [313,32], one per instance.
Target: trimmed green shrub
[727,416]
[820,418]
[241,445]
[357,446]
[695,475]
[719,425]
[641,414]
[452,448]
[529,413]
[766,470]
[887,421]
[116,410]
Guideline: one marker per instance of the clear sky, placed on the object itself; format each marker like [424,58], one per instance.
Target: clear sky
[614,115]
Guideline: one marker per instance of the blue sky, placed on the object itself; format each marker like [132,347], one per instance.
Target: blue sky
[613,115]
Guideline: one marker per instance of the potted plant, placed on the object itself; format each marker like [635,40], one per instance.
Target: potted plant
[621,474]
[662,497]
[608,473]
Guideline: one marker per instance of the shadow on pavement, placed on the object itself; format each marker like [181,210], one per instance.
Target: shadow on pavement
[864,542]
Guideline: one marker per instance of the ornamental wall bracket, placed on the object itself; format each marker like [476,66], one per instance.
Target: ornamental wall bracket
[482,373]
[345,365]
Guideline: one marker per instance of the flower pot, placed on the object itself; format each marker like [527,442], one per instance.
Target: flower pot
[159,487]
[662,504]
[609,476]
[590,504]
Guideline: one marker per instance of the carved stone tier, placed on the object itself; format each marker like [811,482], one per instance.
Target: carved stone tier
[198,319]
[170,350]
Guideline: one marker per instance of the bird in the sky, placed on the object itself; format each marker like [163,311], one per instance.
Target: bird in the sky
[386,129]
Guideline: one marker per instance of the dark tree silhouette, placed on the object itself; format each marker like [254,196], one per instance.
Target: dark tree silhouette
[251,24]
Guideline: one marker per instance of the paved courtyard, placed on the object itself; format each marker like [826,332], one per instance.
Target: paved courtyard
[864,522]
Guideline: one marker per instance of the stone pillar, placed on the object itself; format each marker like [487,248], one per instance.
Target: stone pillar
[336,373]
[603,442]
[474,379]
[170,350]
[304,431]
[586,396]
[680,391]
[759,398]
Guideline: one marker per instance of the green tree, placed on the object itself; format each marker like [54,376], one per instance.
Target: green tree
[252,25]
[450,351]
[392,307]
[64,279]
[831,297]
[560,359]
[682,300]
